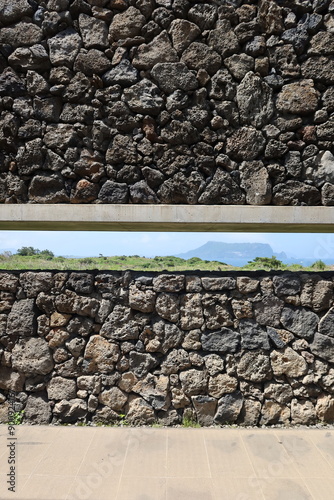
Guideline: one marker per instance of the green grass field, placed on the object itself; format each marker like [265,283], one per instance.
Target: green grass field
[136,263]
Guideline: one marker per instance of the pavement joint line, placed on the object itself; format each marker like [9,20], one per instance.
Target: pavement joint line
[82,461]
[252,465]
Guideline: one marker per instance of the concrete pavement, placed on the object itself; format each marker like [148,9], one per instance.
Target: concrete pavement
[107,463]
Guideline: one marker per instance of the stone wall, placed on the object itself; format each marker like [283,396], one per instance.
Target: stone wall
[167,101]
[248,348]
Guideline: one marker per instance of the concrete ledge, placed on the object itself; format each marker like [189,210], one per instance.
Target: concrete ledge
[211,218]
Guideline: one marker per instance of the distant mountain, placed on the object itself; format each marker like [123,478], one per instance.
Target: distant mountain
[235,254]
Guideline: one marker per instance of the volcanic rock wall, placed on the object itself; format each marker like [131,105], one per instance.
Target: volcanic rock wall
[167,101]
[219,348]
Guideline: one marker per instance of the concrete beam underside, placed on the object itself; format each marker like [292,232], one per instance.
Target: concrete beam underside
[206,218]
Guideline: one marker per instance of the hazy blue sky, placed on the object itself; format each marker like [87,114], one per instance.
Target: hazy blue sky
[318,246]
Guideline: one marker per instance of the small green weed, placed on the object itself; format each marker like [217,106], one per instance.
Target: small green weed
[189,422]
[17,417]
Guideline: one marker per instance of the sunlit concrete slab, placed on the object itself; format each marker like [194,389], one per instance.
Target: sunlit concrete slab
[110,463]
[236,218]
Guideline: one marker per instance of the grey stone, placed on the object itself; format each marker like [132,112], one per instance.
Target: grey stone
[256,183]
[60,136]
[205,408]
[302,412]
[34,283]
[193,382]
[178,132]
[48,188]
[299,321]
[250,413]
[8,282]
[214,284]
[80,326]
[222,384]
[286,285]
[64,47]
[298,98]
[100,355]
[274,413]
[222,86]
[140,192]
[214,364]
[10,13]
[127,24]
[268,311]
[123,74]
[325,409]
[30,58]
[183,33]
[254,366]
[216,311]
[154,390]
[276,338]
[168,283]
[252,335]
[141,300]
[114,398]
[320,168]
[174,76]
[167,306]
[222,190]
[144,97]
[322,43]
[70,411]
[247,285]
[21,34]
[37,410]
[297,36]
[166,336]
[270,17]
[94,32]
[200,56]
[76,346]
[11,380]
[81,282]
[191,313]
[225,340]
[90,383]
[223,40]
[22,318]
[241,64]
[229,408]
[245,144]
[325,131]
[204,15]
[327,194]
[323,346]
[295,193]
[61,388]
[11,84]
[288,362]
[326,325]
[114,192]
[158,51]
[282,393]
[254,99]
[284,58]
[32,357]
[92,62]
[120,325]
[177,360]
[141,364]
[140,412]
[319,69]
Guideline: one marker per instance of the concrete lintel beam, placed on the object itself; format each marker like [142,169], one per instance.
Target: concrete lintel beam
[210,218]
